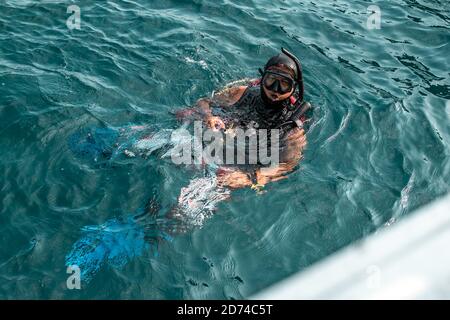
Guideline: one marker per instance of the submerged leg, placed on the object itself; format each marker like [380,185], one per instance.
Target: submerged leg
[196,203]
[116,241]
[108,144]
[119,240]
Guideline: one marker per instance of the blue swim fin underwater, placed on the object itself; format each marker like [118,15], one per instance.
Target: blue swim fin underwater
[115,243]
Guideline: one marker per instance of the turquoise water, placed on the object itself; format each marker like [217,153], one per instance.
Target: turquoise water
[378,148]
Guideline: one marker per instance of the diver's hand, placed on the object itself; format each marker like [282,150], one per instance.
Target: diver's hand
[215,123]
[233,179]
[297,136]
[272,174]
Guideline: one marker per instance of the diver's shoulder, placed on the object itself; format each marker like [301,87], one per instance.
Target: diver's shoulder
[237,92]
[240,90]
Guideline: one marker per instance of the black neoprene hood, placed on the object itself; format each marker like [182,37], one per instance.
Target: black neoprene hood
[282,59]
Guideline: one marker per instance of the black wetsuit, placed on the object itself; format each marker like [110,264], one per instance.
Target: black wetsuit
[254,111]
[251,111]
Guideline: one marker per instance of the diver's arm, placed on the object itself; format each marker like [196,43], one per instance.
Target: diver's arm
[233,178]
[289,158]
[204,104]
[229,96]
[202,108]
[224,98]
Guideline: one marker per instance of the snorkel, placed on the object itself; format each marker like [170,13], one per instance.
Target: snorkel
[301,89]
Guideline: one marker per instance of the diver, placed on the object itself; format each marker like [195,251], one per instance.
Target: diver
[275,101]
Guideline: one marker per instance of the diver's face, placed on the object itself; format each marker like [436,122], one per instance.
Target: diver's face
[285,85]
